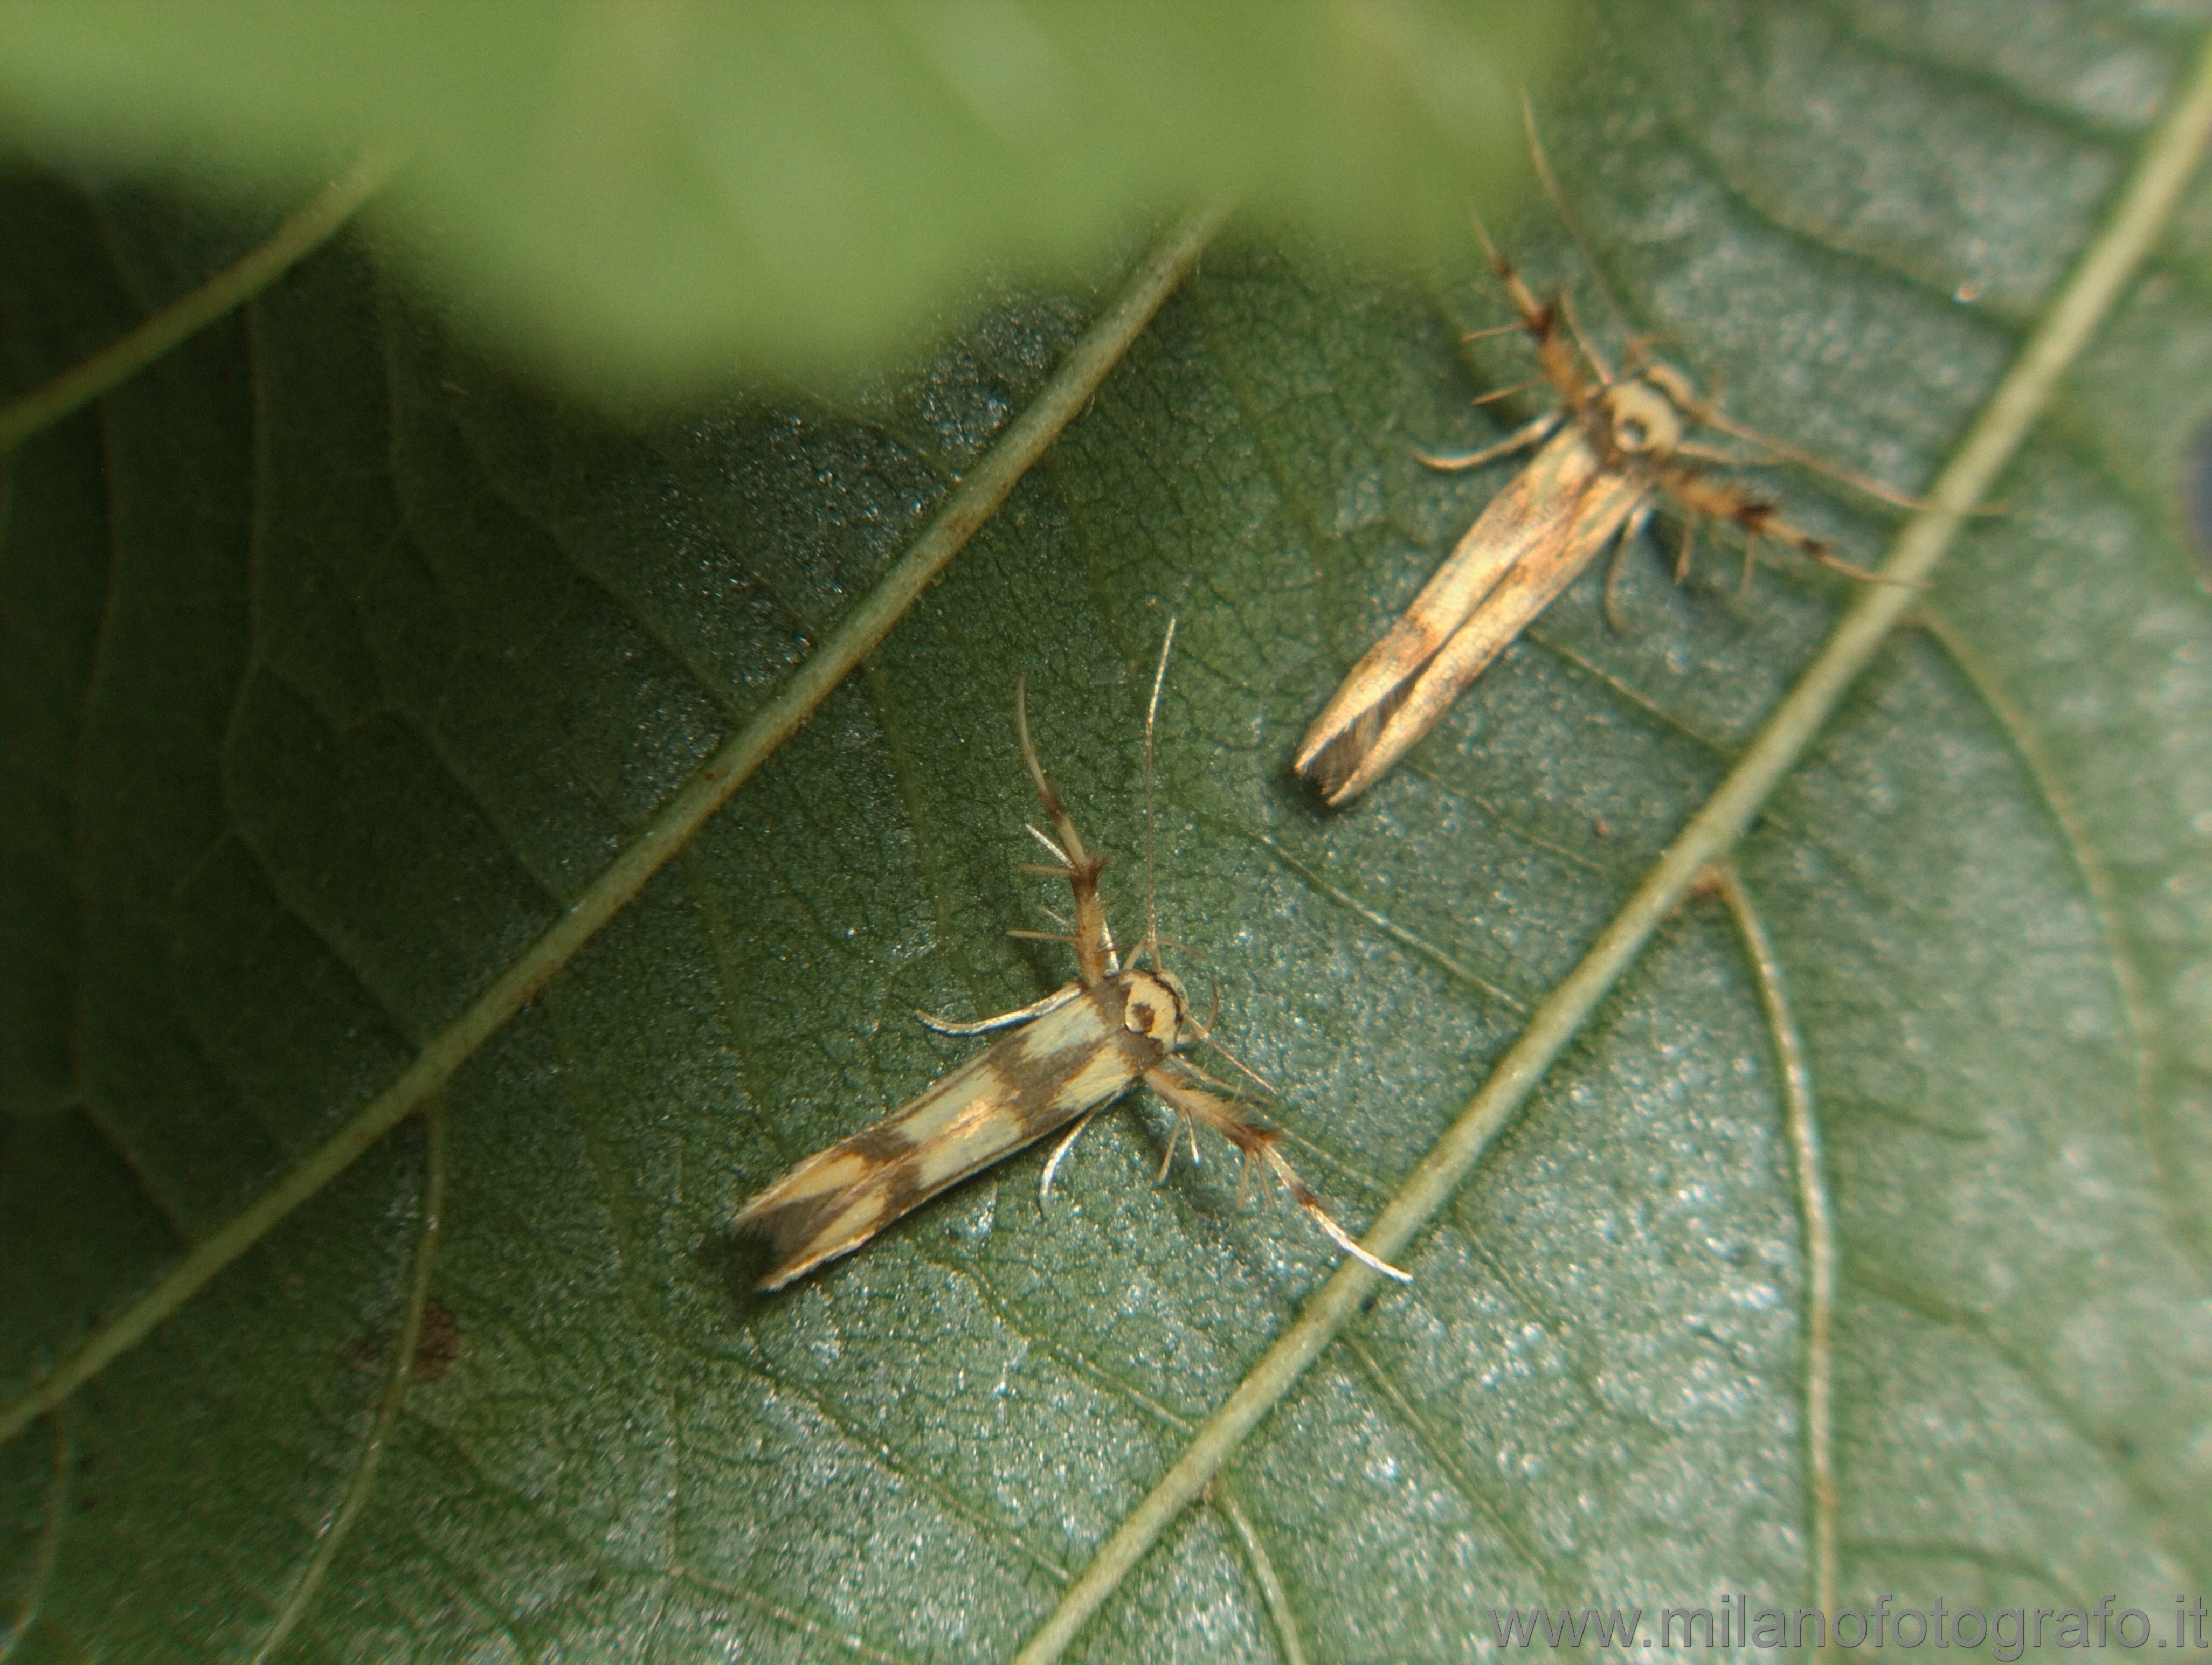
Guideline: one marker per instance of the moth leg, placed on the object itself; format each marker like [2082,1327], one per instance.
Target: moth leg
[1167,1159]
[1065,933]
[1058,1154]
[1183,1125]
[1498,393]
[1628,534]
[1757,516]
[1689,542]
[1521,438]
[1187,1067]
[1094,952]
[1035,1009]
[1495,329]
[1261,1144]
[1714,454]
[1707,412]
[1540,320]
[1595,359]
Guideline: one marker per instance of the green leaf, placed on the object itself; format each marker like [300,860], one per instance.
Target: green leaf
[639,195]
[340,663]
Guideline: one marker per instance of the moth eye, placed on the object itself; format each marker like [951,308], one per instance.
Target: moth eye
[1632,433]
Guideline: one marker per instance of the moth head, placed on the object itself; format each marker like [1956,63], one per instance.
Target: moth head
[1672,384]
[1157,1006]
[1642,417]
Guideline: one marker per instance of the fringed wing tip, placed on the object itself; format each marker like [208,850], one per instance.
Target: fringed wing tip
[793,1235]
[1339,757]
[802,1231]
[1337,768]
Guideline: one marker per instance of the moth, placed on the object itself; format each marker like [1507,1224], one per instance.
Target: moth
[1070,1055]
[1614,445]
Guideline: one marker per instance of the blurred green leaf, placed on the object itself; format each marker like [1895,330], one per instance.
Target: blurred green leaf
[338,661]
[641,195]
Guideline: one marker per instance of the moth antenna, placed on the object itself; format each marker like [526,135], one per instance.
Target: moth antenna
[1151,951]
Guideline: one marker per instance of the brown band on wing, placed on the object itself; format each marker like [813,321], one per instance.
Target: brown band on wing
[1035,1081]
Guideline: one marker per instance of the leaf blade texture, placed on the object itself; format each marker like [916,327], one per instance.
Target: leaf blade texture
[367,656]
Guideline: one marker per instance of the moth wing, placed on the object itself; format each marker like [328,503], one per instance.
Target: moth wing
[1522,520]
[1534,583]
[1072,1059]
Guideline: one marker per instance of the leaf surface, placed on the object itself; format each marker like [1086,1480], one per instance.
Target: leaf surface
[340,662]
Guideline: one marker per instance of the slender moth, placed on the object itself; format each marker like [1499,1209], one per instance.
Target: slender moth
[1615,444]
[1072,1053]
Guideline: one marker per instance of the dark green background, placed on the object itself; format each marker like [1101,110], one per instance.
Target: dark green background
[337,661]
